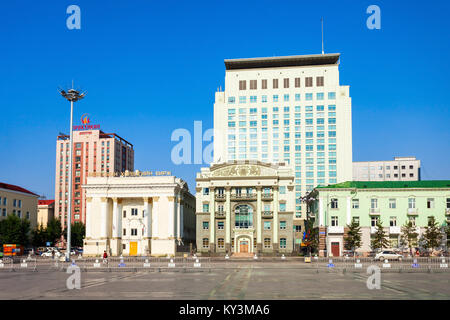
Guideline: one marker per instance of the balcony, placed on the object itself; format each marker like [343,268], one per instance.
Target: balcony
[243,196]
[220,197]
[394,230]
[267,196]
[336,230]
[267,214]
[447,212]
[413,211]
[220,214]
[374,211]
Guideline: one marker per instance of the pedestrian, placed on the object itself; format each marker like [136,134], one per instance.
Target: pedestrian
[53,254]
[105,257]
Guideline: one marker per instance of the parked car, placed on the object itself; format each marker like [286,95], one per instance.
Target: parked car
[49,253]
[387,254]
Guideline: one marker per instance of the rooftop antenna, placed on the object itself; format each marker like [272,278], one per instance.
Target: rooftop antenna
[322,34]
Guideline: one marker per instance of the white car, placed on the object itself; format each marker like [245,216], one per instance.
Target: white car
[49,254]
[388,254]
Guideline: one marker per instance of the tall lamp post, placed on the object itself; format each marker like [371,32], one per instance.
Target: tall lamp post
[71,95]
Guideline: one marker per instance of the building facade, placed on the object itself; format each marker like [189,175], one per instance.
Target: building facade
[18,201]
[393,204]
[46,211]
[289,109]
[138,215]
[399,169]
[93,152]
[245,207]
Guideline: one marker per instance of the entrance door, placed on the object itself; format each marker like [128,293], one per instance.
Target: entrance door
[244,246]
[133,248]
[335,249]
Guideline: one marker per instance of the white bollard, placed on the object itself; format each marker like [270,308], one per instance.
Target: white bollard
[146,264]
[171,264]
[227,257]
[197,264]
[24,264]
[283,257]
[96,264]
[386,264]
[443,264]
[1,264]
[358,264]
[255,257]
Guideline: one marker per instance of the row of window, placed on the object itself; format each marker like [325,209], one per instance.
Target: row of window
[320,96]
[267,225]
[392,203]
[15,212]
[248,190]
[374,220]
[220,207]
[387,167]
[17,203]
[221,243]
[308,82]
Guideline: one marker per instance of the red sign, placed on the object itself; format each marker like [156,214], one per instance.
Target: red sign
[86,126]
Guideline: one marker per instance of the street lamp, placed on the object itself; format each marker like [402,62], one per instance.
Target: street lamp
[71,95]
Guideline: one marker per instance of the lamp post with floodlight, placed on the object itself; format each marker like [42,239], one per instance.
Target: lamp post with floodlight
[71,95]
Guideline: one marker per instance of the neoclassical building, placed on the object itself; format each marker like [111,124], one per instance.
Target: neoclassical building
[137,214]
[245,207]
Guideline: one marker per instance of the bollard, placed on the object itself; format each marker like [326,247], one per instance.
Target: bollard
[358,264]
[386,264]
[330,263]
[283,257]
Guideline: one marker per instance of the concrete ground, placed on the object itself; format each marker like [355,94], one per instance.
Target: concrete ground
[243,281]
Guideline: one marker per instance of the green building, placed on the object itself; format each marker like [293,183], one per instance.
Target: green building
[393,203]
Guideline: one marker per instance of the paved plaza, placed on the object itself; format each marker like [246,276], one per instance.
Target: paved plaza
[236,280]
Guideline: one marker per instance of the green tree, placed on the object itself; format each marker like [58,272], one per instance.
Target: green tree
[353,238]
[433,235]
[14,230]
[312,237]
[54,230]
[39,236]
[380,240]
[447,232]
[77,232]
[409,236]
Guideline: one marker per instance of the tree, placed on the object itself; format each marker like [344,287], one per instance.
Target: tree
[311,237]
[432,236]
[39,236]
[447,233]
[14,230]
[77,232]
[353,239]
[380,240]
[54,230]
[409,235]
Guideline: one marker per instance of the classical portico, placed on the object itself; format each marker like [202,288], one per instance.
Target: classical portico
[139,215]
[240,208]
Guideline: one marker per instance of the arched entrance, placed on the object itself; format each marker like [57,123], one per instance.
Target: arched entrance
[244,244]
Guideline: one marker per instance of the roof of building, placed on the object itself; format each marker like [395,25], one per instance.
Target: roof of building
[286,61]
[45,202]
[15,188]
[389,184]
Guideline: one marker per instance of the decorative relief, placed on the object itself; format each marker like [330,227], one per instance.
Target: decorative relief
[243,171]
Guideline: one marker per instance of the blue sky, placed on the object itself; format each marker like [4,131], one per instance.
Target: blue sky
[152,66]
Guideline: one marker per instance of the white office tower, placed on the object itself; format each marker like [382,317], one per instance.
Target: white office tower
[287,109]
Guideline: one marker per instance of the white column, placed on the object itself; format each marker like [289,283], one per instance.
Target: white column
[275,214]
[155,213]
[228,216]
[148,217]
[88,217]
[104,218]
[116,213]
[349,210]
[178,219]
[258,215]
[321,224]
[181,232]
[171,216]
[212,220]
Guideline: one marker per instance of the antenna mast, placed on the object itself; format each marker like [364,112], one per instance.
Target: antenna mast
[322,35]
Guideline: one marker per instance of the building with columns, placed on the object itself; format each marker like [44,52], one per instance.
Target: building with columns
[137,214]
[245,207]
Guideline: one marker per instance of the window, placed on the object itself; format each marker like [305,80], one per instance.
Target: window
[298,228]
[267,225]
[373,203]
[393,221]
[220,225]
[243,216]
[205,225]
[297,82]
[334,203]
[430,203]
[134,232]
[205,191]
[331,95]
[319,81]
[355,203]
[266,242]
[275,83]
[124,231]
[392,204]
[134,211]
[124,213]
[231,100]
[264,84]
[205,242]
[205,207]
[412,219]
[356,220]
[334,221]
[252,84]
[220,241]
[286,82]
[374,221]
[282,243]
[282,225]
[411,203]
[282,207]
[308,82]
[242,84]
[448,203]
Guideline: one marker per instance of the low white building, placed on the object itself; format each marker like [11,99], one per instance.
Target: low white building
[137,214]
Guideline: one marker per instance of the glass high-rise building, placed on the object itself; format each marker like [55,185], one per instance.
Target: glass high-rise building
[288,109]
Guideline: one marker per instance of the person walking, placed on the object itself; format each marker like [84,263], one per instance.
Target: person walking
[105,257]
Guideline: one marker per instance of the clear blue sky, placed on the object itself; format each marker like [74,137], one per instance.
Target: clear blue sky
[153,66]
